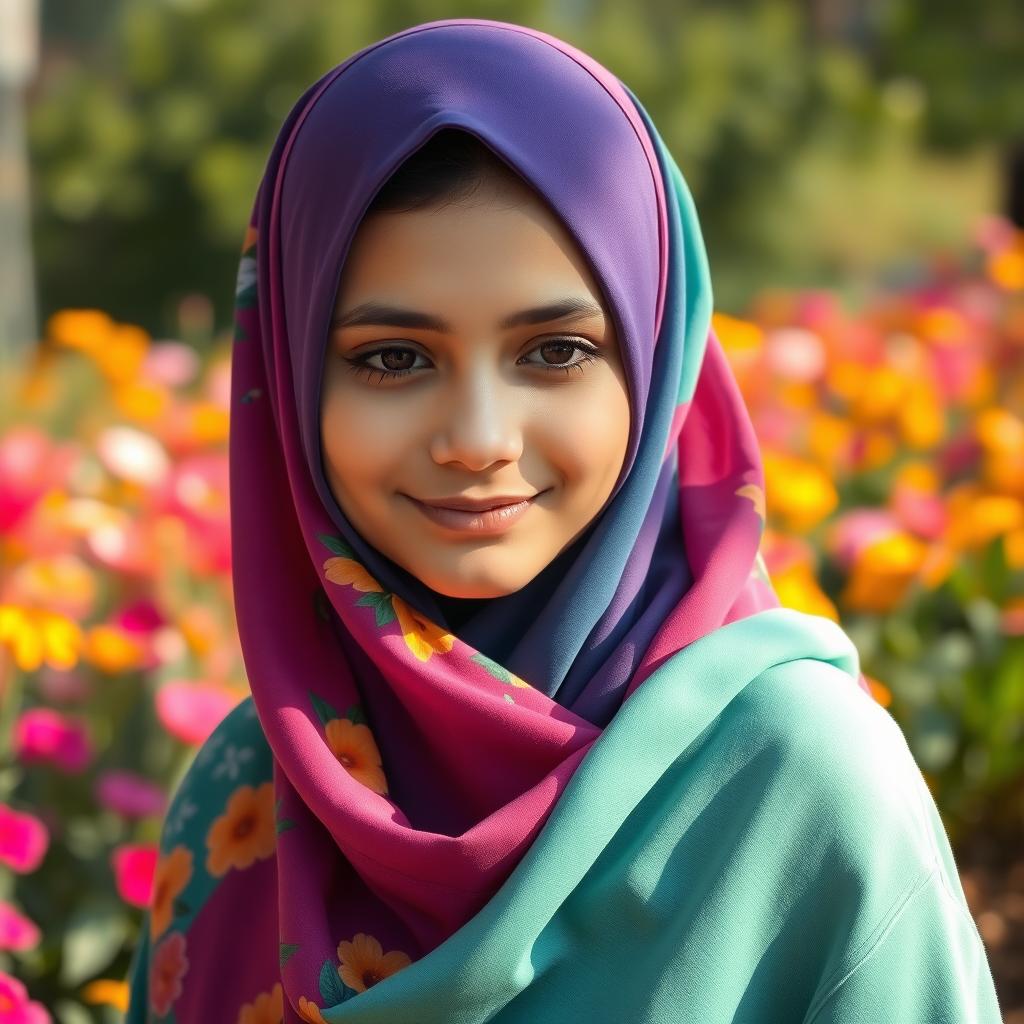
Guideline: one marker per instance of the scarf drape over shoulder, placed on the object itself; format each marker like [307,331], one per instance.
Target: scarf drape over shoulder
[625,792]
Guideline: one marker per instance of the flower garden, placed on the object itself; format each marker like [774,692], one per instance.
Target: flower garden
[893,443]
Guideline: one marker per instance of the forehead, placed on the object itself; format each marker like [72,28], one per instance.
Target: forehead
[487,242]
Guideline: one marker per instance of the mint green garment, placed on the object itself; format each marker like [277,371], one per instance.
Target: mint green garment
[750,819]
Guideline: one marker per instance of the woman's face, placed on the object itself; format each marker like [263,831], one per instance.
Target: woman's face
[471,359]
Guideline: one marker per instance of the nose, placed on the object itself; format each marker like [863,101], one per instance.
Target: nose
[480,422]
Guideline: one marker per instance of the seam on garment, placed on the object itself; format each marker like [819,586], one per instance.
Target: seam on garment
[874,940]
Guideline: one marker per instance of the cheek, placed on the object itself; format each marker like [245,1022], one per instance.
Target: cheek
[588,435]
[360,443]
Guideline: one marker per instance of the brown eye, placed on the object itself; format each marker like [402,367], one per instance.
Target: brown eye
[562,351]
[397,359]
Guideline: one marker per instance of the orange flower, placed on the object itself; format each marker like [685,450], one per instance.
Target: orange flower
[347,572]
[881,692]
[108,992]
[364,962]
[756,495]
[245,832]
[266,1008]
[883,572]
[422,636]
[354,746]
[309,1011]
[172,874]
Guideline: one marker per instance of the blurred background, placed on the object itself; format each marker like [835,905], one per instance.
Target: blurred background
[858,168]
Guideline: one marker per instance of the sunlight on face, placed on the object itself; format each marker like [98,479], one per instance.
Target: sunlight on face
[472,385]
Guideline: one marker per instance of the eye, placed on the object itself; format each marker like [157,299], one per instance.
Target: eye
[563,349]
[396,361]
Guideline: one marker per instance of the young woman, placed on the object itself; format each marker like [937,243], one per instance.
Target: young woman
[530,737]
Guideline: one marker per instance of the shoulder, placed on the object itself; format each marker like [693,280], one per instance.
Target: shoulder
[839,760]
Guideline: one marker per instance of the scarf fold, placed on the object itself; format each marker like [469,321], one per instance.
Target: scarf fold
[415,763]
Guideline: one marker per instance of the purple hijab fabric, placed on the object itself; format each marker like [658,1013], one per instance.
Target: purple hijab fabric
[414,762]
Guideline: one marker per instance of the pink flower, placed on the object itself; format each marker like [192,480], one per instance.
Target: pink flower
[141,616]
[16,1007]
[42,734]
[168,966]
[130,795]
[855,530]
[171,363]
[16,930]
[191,711]
[23,839]
[30,464]
[134,866]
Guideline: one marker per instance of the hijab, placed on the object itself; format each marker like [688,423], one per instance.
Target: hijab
[419,746]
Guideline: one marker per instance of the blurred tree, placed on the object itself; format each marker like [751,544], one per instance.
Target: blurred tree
[151,122]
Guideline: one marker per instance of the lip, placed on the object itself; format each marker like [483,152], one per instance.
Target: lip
[489,519]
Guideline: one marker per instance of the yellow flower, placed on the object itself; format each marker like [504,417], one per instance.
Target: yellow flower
[266,1008]
[34,636]
[734,333]
[363,962]
[801,493]
[422,636]
[350,573]
[797,587]
[354,746]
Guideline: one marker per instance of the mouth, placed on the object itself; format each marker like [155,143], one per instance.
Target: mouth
[476,521]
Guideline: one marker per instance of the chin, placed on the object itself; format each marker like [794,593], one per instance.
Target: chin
[472,589]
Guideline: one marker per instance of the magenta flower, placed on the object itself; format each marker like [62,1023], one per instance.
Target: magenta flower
[134,866]
[130,795]
[42,734]
[15,1005]
[23,840]
[191,711]
[16,930]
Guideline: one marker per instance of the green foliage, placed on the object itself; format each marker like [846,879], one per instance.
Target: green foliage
[150,125]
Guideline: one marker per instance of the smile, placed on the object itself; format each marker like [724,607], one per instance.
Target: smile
[477,522]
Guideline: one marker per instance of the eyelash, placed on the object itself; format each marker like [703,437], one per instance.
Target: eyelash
[358,364]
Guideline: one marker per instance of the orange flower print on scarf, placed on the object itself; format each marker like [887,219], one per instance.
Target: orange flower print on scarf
[756,495]
[173,872]
[310,1012]
[266,1008]
[354,746]
[363,962]
[168,966]
[422,636]
[245,832]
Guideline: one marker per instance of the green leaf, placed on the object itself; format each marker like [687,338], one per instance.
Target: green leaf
[336,545]
[324,710]
[287,950]
[332,988]
[356,715]
[93,937]
[496,670]
[380,602]
[284,824]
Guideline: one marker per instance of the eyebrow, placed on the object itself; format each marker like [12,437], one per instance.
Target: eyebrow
[381,315]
